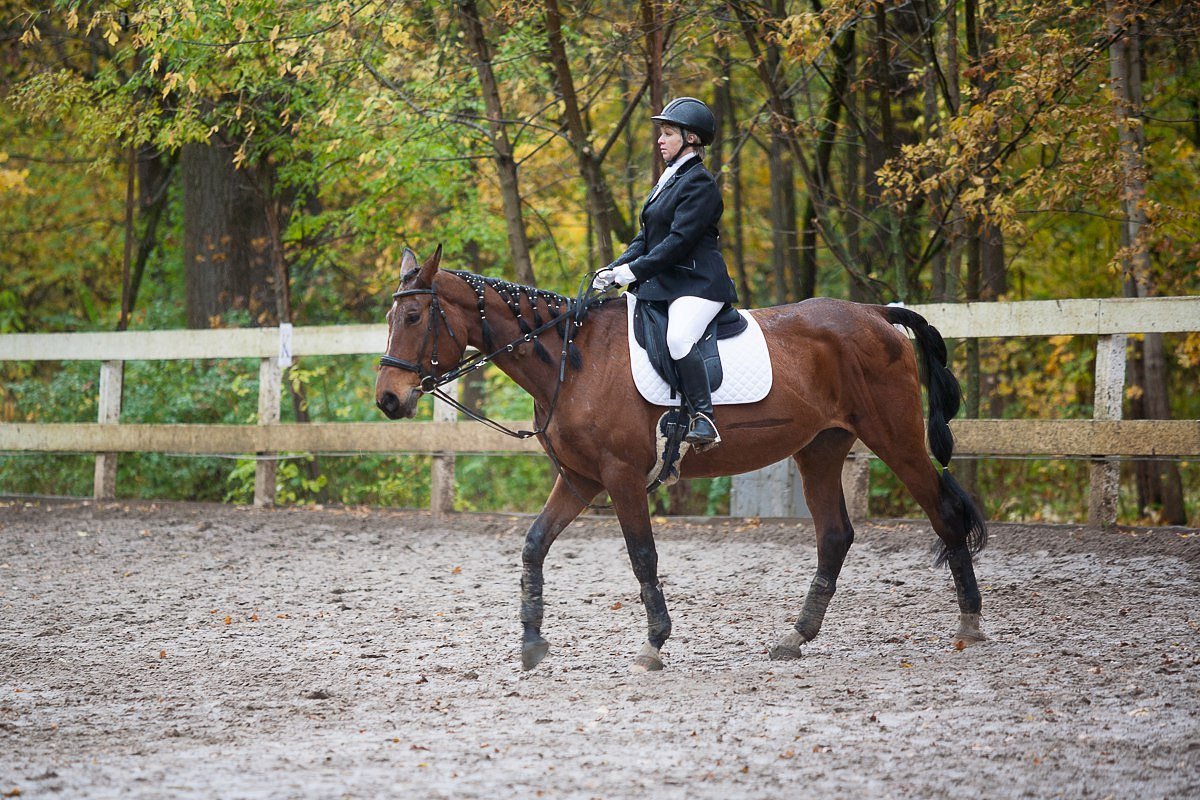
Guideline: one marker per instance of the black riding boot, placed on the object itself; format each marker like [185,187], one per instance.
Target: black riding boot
[693,385]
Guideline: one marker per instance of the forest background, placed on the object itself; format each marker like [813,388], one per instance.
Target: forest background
[195,163]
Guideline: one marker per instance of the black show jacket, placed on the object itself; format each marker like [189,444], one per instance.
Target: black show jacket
[675,254]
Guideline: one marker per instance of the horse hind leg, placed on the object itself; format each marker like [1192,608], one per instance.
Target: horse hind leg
[821,469]
[970,534]
[953,514]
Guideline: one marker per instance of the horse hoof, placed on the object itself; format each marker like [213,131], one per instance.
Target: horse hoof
[532,653]
[965,638]
[648,660]
[969,632]
[781,653]
[788,648]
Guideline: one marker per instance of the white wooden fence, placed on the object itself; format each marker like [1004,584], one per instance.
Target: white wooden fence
[1104,438]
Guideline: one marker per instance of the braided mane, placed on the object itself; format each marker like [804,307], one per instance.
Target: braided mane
[538,300]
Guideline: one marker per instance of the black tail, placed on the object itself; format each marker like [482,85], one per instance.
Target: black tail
[945,399]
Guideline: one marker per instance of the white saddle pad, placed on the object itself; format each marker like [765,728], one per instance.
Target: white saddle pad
[744,361]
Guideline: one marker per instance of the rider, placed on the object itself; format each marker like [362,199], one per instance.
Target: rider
[674,257]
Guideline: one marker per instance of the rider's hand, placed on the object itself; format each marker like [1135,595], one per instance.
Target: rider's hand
[623,275]
[604,279]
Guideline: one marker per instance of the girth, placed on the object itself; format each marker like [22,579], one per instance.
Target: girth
[650,331]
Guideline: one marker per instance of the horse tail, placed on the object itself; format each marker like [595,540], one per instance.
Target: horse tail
[945,399]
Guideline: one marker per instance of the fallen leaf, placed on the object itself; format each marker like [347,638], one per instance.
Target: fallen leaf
[615,605]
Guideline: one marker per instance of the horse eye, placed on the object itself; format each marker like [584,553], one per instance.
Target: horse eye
[412,318]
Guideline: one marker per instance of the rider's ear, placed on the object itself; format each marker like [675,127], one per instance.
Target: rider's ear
[430,268]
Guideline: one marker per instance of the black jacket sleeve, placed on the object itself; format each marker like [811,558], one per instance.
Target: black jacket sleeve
[636,249]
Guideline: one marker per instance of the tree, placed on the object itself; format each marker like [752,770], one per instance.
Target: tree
[505,160]
[1158,485]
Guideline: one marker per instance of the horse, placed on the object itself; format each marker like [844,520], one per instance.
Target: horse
[842,371]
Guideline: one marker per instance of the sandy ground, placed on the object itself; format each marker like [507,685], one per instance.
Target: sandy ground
[197,651]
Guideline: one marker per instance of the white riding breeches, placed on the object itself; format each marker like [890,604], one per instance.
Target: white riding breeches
[687,317]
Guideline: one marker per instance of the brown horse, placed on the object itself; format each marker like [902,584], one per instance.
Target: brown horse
[842,371]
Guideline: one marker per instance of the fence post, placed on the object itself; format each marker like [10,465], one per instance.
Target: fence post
[856,485]
[441,471]
[773,491]
[1105,473]
[112,379]
[270,382]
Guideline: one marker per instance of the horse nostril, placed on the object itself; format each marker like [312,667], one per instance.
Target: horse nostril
[389,404]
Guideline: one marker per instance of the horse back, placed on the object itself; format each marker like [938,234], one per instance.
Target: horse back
[850,332]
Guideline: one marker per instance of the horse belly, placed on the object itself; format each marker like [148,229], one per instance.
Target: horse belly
[749,444]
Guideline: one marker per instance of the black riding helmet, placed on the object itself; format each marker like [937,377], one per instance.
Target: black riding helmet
[692,115]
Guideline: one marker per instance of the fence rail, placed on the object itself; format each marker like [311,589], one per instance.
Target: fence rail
[1104,438]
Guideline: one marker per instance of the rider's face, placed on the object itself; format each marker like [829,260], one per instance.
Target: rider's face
[670,142]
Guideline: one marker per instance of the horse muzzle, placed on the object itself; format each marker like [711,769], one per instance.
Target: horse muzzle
[395,408]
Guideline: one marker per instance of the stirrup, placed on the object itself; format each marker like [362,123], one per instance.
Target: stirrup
[702,432]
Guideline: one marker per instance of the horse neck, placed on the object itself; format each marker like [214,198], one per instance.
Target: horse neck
[527,370]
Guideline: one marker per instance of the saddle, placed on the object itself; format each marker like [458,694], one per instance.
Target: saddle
[650,332]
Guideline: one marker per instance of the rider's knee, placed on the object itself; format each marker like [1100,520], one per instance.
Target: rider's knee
[680,344]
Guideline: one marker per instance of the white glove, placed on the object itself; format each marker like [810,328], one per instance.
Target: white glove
[623,275]
[604,279]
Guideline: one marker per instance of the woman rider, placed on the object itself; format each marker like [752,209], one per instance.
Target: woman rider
[674,258]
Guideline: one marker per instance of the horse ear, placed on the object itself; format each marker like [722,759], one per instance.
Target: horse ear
[408,266]
[430,268]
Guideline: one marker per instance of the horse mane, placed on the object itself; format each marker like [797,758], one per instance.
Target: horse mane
[512,294]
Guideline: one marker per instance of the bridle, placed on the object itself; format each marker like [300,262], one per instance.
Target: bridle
[432,381]
[429,380]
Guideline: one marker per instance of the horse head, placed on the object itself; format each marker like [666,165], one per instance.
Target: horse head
[420,342]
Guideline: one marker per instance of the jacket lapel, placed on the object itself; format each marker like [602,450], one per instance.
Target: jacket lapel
[684,168]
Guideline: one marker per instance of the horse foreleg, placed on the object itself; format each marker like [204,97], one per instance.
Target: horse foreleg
[629,500]
[821,468]
[570,495]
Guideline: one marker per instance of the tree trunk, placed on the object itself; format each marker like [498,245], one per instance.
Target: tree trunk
[843,52]
[855,206]
[155,171]
[1159,484]
[601,205]
[729,176]
[227,258]
[506,164]
[652,25]
[781,175]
